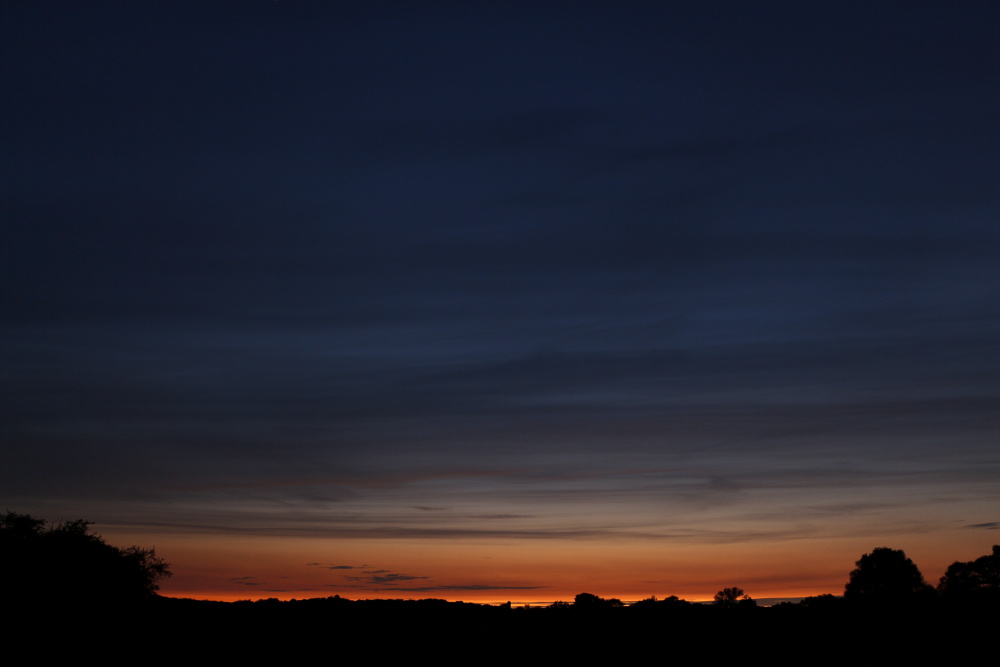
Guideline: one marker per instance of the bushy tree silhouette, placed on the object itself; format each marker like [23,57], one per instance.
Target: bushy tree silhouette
[978,577]
[66,563]
[885,575]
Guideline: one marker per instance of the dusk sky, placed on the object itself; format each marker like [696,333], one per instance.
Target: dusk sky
[503,301]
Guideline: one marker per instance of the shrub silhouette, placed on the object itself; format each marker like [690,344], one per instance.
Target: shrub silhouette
[66,563]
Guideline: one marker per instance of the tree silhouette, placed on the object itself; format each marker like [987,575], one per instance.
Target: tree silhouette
[885,575]
[980,577]
[66,563]
[589,601]
[733,597]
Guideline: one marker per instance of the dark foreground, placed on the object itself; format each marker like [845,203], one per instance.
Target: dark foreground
[824,631]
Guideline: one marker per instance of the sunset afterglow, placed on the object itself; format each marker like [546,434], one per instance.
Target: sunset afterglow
[503,303]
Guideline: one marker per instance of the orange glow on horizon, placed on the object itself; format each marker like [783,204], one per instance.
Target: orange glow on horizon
[538,572]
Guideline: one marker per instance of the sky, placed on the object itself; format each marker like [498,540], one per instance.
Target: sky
[503,301]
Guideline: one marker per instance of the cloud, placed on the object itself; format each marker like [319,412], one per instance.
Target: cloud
[384,578]
[991,525]
[471,587]
[391,579]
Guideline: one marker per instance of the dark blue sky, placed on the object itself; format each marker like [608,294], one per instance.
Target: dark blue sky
[391,269]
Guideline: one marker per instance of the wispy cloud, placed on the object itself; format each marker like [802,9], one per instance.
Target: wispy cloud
[471,587]
[383,578]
